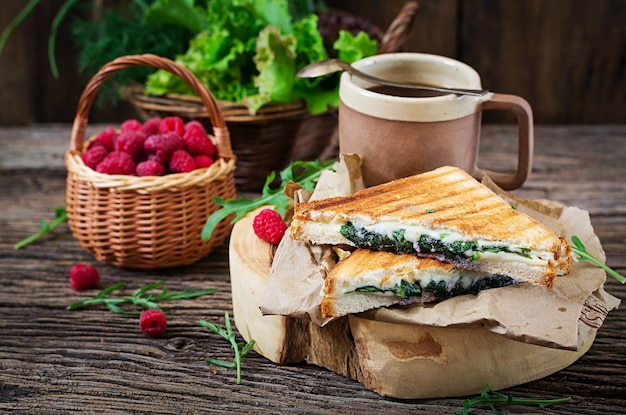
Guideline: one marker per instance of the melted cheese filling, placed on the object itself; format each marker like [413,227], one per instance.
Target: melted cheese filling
[412,233]
[388,284]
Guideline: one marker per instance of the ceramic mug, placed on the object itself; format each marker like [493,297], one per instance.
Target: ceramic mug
[399,133]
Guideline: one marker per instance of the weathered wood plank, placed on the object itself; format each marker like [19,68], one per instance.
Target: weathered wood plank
[17,68]
[564,57]
[426,34]
[54,361]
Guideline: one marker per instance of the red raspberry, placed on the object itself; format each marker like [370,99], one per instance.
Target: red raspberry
[162,146]
[83,276]
[172,124]
[117,162]
[269,226]
[94,156]
[197,143]
[152,322]
[130,125]
[203,161]
[196,127]
[130,142]
[181,162]
[105,138]
[151,127]
[150,168]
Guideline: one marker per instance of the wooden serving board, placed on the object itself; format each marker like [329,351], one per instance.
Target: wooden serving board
[397,360]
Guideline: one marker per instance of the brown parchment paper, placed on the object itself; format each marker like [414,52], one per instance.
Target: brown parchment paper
[536,315]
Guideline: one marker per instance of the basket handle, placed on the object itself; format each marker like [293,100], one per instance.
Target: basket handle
[220,130]
[398,31]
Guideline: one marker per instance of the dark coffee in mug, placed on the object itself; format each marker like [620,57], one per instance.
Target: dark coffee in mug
[397,91]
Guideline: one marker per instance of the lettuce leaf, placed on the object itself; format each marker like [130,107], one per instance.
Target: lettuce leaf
[181,13]
[251,51]
[275,60]
[271,12]
[353,48]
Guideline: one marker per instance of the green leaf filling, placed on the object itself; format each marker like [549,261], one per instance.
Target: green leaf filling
[440,289]
[364,238]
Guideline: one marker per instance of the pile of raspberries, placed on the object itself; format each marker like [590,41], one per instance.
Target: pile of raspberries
[154,148]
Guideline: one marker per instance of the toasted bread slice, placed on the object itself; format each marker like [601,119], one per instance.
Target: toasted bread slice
[369,279]
[445,214]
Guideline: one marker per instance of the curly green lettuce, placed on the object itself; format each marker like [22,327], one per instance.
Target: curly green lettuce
[251,51]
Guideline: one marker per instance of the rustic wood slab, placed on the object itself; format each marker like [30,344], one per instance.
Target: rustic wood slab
[54,361]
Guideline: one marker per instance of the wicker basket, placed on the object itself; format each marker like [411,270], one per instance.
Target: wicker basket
[263,142]
[277,133]
[147,222]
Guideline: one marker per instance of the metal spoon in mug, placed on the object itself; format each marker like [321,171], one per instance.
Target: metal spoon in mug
[328,66]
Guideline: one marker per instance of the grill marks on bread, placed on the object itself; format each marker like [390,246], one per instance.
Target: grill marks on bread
[445,198]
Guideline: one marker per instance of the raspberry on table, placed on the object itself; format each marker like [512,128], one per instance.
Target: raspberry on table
[150,168]
[172,124]
[131,125]
[269,226]
[152,322]
[94,156]
[83,276]
[117,162]
[181,162]
[130,142]
[203,161]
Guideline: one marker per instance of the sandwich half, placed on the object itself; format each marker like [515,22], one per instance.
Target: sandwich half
[367,279]
[444,214]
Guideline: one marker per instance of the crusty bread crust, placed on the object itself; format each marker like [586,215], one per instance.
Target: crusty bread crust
[355,303]
[445,199]
[383,267]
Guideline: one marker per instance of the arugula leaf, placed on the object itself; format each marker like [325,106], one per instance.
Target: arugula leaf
[240,349]
[141,297]
[304,173]
[60,216]
[491,398]
[580,250]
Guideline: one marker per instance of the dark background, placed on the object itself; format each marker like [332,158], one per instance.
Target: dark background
[566,57]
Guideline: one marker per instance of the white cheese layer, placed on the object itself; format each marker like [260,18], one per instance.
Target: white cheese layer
[412,233]
[392,279]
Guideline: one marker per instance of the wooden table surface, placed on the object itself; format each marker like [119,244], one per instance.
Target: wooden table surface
[54,361]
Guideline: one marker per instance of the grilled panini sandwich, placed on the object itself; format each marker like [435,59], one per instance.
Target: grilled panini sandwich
[369,279]
[443,214]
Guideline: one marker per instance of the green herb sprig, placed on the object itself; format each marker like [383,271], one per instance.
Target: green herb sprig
[141,298]
[56,22]
[580,250]
[22,15]
[491,398]
[241,349]
[304,173]
[60,216]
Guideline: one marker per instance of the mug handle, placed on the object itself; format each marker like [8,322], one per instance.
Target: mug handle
[520,107]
